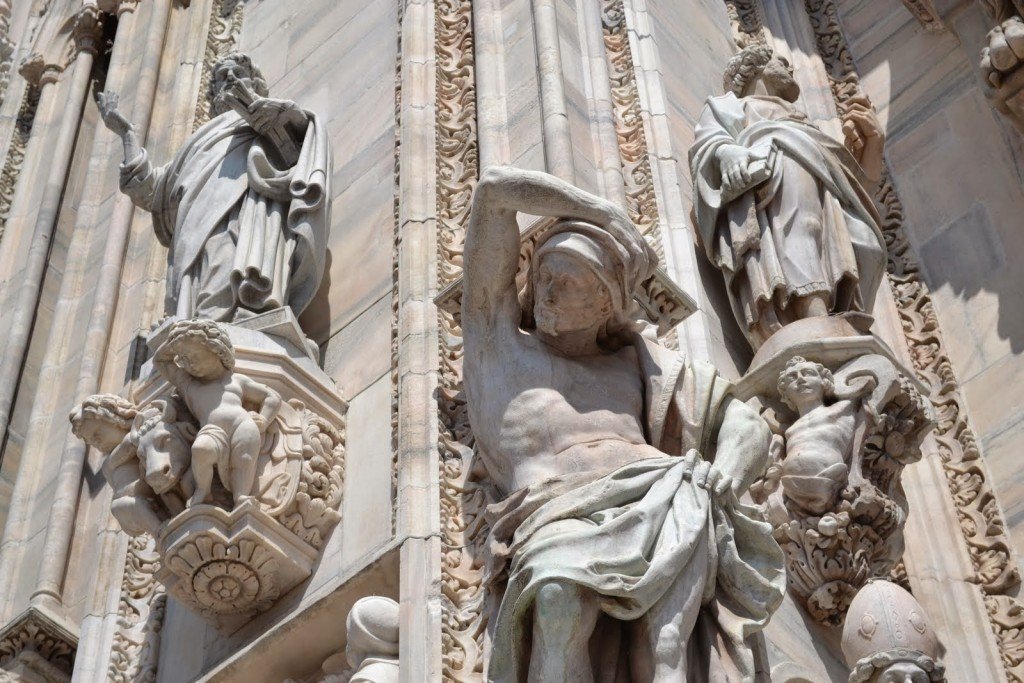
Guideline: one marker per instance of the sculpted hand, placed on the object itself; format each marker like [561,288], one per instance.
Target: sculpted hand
[261,422]
[864,136]
[112,118]
[266,113]
[734,162]
[707,476]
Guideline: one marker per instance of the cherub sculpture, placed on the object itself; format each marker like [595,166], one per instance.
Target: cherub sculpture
[198,359]
[104,421]
[819,443]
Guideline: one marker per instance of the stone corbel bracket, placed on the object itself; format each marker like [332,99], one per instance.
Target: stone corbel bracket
[228,554]
[840,524]
[663,303]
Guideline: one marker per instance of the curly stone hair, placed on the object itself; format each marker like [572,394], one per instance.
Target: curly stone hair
[208,333]
[744,67]
[827,380]
[877,663]
[259,84]
[110,408]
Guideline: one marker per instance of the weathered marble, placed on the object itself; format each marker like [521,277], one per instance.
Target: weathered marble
[782,209]
[580,422]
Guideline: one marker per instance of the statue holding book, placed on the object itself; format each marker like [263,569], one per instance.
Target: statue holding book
[783,209]
[244,205]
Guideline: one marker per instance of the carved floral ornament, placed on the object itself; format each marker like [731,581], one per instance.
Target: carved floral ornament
[239,487]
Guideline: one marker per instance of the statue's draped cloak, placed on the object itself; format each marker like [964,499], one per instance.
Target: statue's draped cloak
[763,240]
[648,526]
[242,234]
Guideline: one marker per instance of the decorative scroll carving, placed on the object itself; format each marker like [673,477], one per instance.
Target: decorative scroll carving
[981,522]
[16,152]
[747,24]
[224,464]
[462,500]
[641,201]
[6,48]
[35,648]
[457,159]
[135,653]
[395,246]
[924,11]
[221,38]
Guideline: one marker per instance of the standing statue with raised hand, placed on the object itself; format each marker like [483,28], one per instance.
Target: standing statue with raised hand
[785,211]
[244,205]
[618,462]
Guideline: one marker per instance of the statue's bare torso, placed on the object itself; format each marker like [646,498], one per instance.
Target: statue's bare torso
[544,415]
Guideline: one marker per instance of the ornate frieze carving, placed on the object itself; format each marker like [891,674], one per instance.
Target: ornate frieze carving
[16,152]
[233,461]
[926,13]
[135,652]
[981,522]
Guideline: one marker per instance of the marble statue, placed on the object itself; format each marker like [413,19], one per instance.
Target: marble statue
[104,421]
[819,443]
[782,208]
[244,206]
[198,359]
[162,435]
[617,463]
[886,638]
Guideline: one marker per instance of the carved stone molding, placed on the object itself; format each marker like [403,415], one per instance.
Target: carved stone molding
[924,11]
[11,170]
[36,648]
[462,500]
[981,522]
[221,37]
[135,652]
[641,201]
[87,30]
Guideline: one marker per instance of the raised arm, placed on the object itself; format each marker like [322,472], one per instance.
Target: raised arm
[492,239]
[138,177]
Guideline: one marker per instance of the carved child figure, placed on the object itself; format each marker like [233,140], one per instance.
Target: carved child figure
[198,360]
[819,443]
[104,421]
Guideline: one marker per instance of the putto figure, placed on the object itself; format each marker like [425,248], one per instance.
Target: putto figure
[198,360]
[782,208]
[820,441]
[244,206]
[618,464]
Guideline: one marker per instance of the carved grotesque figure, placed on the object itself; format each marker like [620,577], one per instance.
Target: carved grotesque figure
[615,460]
[782,208]
[198,360]
[243,207]
[818,443]
[104,421]
[886,638]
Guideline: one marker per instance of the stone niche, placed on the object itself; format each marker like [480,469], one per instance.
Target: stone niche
[236,470]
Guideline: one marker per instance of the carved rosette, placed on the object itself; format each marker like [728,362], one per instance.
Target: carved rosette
[229,554]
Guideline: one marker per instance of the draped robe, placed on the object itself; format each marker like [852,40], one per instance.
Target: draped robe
[810,229]
[244,236]
[644,538]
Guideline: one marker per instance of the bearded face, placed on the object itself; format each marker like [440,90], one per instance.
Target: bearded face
[225,75]
[569,297]
[778,79]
